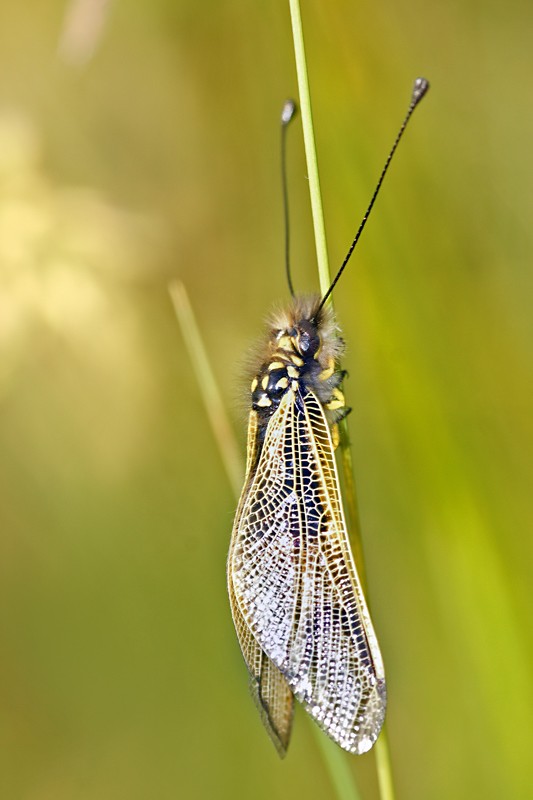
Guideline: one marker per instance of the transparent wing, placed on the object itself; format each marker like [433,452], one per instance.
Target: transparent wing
[295,582]
[270,690]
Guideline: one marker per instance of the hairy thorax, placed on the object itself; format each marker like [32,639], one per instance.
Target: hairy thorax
[301,354]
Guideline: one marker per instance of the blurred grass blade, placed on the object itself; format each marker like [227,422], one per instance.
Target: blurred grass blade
[83,28]
[383,766]
[214,406]
[338,766]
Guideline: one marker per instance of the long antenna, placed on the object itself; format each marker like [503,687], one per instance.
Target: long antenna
[287,113]
[419,90]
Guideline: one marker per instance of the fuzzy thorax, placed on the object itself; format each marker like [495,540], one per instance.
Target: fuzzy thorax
[303,310]
[301,351]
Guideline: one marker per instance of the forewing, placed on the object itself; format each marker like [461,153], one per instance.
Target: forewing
[295,580]
[270,690]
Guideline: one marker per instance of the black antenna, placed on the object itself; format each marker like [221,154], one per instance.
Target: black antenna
[419,90]
[287,113]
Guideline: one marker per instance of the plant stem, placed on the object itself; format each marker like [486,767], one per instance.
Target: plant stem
[322,255]
[383,766]
[338,766]
[381,750]
[310,149]
[214,405]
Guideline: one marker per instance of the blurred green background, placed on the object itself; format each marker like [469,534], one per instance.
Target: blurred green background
[139,142]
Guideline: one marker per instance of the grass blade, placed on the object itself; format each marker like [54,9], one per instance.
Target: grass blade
[381,750]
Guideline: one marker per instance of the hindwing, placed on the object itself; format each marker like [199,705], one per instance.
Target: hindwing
[271,692]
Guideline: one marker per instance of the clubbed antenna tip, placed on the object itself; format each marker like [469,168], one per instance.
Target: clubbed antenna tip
[419,90]
[289,110]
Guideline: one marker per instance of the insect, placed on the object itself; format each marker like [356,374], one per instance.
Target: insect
[297,603]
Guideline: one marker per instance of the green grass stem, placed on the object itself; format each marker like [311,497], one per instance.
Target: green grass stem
[214,405]
[338,766]
[310,149]
[381,750]
[383,766]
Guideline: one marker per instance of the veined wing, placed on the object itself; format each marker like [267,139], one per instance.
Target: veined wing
[295,580]
[270,690]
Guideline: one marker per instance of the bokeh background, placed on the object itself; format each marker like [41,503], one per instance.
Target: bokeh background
[139,143]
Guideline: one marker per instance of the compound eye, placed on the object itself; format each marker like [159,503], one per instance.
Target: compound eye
[308,339]
[304,342]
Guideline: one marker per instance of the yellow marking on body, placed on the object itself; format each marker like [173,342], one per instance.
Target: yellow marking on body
[264,381]
[282,383]
[254,384]
[285,343]
[292,372]
[264,401]
[335,436]
[328,371]
[294,386]
[297,360]
[337,400]
[275,365]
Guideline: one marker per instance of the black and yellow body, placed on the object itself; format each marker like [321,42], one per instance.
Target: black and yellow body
[297,603]
[301,356]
